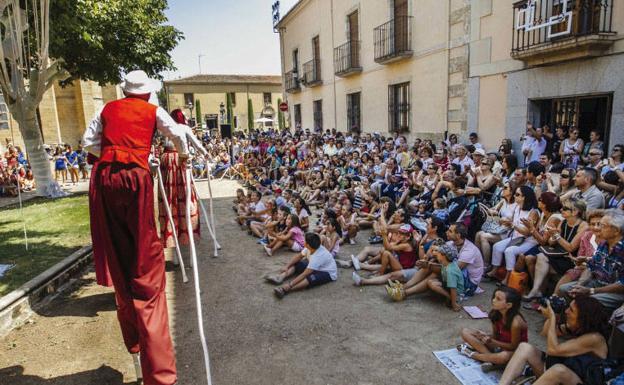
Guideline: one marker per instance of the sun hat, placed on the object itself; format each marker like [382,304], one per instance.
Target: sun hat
[479,151]
[138,83]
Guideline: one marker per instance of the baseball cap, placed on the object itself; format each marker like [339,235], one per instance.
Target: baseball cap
[405,228]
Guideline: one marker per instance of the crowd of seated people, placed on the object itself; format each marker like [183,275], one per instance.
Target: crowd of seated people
[545,223]
[15,172]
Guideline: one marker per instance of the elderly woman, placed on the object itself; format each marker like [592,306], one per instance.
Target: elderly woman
[521,239]
[562,243]
[564,362]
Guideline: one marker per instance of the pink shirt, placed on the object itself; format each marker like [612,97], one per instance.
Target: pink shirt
[297,235]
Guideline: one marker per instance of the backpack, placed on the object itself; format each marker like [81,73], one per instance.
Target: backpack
[602,372]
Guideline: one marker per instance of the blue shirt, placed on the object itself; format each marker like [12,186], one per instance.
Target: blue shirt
[608,268]
[71,157]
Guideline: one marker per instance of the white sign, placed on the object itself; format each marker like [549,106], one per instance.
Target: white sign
[525,19]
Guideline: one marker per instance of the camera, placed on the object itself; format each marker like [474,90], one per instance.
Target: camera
[558,304]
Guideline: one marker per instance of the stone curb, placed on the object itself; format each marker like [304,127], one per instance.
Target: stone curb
[17,306]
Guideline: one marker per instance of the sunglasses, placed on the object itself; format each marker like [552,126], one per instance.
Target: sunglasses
[566,208]
[595,153]
[517,194]
[485,164]
[565,175]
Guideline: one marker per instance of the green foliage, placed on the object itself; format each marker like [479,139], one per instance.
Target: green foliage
[198,113]
[56,228]
[250,114]
[100,39]
[280,116]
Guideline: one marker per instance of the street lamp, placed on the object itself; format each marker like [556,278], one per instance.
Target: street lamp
[190,106]
[222,112]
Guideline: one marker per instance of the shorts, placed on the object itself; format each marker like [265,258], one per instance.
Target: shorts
[296,247]
[409,273]
[316,278]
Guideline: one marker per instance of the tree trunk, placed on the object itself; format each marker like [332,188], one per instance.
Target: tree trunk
[38,158]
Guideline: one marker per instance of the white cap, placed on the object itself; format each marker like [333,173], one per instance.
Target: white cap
[138,83]
[479,151]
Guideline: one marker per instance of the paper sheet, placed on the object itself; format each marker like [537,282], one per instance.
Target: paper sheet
[475,312]
[4,269]
[466,370]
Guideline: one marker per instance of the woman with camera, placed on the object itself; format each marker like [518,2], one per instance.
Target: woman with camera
[564,362]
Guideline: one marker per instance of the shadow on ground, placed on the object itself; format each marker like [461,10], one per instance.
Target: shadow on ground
[103,375]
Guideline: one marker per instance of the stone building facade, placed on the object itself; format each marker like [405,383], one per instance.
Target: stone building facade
[211,90]
[64,112]
[455,66]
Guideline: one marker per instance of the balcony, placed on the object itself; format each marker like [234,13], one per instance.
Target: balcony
[312,73]
[393,40]
[347,59]
[292,82]
[550,31]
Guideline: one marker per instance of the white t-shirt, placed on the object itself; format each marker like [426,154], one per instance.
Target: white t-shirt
[261,207]
[465,163]
[322,260]
[303,213]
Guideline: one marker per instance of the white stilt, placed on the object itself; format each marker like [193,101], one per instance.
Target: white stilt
[209,223]
[178,255]
[200,319]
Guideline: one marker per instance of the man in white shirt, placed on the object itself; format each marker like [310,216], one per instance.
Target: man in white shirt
[534,144]
[462,159]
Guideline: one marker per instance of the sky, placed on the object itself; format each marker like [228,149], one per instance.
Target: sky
[235,37]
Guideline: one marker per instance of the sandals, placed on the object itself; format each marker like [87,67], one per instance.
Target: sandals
[279,292]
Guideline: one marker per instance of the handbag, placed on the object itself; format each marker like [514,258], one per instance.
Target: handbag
[553,251]
[517,241]
[492,224]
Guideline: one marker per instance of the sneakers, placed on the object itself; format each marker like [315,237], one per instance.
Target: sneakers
[343,264]
[356,262]
[263,241]
[357,280]
[351,241]
[268,250]
[275,279]
[375,240]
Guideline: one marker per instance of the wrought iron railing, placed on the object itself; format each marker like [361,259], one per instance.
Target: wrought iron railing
[543,22]
[347,57]
[291,81]
[393,38]
[312,72]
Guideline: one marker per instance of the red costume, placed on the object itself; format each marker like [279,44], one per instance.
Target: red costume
[125,236]
[174,180]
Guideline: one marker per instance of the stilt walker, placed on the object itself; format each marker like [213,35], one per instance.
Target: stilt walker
[124,229]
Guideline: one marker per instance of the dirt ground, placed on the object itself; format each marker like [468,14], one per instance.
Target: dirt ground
[335,334]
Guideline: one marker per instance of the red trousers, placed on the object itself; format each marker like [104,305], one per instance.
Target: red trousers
[122,203]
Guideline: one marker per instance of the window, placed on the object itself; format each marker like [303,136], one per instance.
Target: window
[266,96]
[4,114]
[295,58]
[353,112]
[399,107]
[232,97]
[297,114]
[189,99]
[318,114]
[587,113]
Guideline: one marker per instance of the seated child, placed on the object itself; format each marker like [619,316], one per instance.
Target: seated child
[509,329]
[292,237]
[314,266]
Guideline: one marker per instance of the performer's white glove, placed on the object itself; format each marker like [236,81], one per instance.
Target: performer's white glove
[154,163]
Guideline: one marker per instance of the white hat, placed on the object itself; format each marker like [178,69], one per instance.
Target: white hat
[138,83]
[479,151]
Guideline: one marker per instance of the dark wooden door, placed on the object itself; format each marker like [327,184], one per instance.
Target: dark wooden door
[400,25]
[354,37]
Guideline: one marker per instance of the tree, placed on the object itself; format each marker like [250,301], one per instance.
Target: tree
[280,116]
[250,115]
[198,113]
[44,42]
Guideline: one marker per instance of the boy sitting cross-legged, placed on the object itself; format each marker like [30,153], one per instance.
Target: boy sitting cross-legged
[313,266]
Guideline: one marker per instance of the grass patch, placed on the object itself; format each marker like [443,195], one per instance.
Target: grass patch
[56,228]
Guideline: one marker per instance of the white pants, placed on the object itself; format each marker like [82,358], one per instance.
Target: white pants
[500,248]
